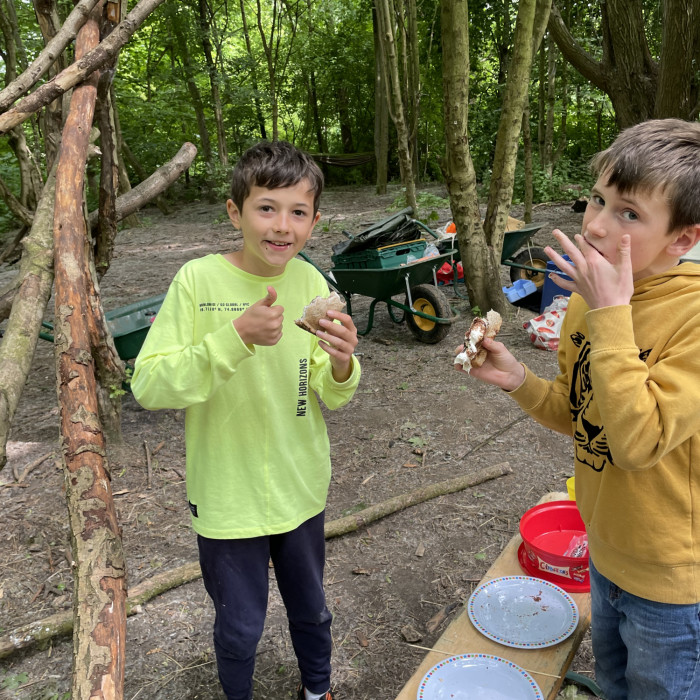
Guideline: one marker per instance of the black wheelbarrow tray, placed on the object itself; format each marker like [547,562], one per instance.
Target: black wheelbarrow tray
[128,325]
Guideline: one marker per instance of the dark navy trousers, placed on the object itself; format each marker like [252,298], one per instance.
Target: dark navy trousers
[235,574]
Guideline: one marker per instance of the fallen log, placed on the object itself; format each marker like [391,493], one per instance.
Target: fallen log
[62,623]
[353,522]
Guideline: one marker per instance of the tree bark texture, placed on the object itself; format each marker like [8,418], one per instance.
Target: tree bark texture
[61,623]
[458,167]
[100,585]
[109,179]
[99,57]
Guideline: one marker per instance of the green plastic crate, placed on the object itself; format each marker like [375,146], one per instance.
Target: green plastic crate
[380,258]
[130,324]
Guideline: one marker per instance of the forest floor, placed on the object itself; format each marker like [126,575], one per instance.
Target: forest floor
[414,421]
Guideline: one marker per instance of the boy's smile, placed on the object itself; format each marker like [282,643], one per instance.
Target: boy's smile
[645,216]
[276,223]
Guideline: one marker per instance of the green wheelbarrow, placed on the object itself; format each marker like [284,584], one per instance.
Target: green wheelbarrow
[425,309]
[128,325]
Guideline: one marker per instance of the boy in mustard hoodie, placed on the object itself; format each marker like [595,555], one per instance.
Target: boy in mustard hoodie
[224,346]
[628,392]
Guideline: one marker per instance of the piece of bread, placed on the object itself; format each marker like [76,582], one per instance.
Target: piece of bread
[474,355]
[316,309]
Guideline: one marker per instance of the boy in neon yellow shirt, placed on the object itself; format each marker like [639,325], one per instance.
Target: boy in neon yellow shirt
[628,393]
[224,346]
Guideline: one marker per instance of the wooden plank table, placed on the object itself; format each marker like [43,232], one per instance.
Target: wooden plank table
[547,666]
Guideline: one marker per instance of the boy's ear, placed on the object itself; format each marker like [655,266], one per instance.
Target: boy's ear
[684,241]
[233,213]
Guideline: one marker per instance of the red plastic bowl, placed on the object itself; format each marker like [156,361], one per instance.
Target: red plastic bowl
[547,531]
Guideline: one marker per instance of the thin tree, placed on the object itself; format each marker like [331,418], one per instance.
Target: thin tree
[480,245]
[395,98]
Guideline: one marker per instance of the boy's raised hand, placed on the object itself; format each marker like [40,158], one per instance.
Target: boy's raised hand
[261,323]
[339,340]
[500,367]
[599,281]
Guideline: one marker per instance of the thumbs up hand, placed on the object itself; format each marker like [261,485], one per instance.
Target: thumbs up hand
[261,323]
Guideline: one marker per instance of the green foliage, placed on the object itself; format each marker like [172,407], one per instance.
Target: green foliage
[117,391]
[324,86]
[12,681]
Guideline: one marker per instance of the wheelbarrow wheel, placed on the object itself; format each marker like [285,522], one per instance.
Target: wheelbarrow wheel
[431,301]
[532,257]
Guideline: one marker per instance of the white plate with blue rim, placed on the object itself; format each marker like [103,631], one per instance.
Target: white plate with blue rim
[523,612]
[478,677]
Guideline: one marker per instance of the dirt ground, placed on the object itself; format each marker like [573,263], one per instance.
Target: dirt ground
[413,421]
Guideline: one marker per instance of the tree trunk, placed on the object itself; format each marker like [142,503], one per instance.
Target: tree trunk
[458,167]
[527,164]
[100,585]
[106,232]
[16,208]
[109,368]
[253,73]
[677,85]
[205,30]
[31,180]
[30,294]
[541,101]
[183,53]
[529,27]
[412,81]
[548,154]
[51,118]
[385,18]
[341,95]
[381,112]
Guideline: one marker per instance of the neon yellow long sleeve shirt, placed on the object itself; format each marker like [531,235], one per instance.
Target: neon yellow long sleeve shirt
[628,393]
[258,455]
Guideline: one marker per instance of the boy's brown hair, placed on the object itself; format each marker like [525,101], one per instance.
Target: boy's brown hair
[274,164]
[661,153]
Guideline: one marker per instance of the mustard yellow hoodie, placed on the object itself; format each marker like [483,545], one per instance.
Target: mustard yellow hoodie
[628,393]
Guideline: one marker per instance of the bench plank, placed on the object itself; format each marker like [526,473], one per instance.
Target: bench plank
[547,666]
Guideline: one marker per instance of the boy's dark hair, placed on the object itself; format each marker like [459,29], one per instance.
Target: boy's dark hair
[274,164]
[661,153]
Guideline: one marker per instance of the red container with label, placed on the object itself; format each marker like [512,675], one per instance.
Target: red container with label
[549,530]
